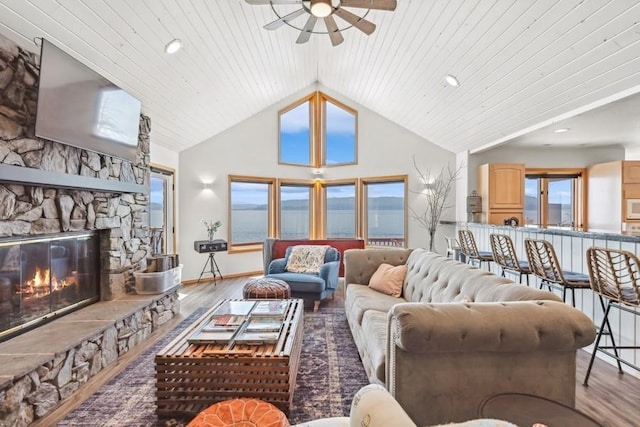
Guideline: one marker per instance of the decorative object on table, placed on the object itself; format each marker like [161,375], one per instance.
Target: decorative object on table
[513,221]
[435,192]
[211,227]
[474,205]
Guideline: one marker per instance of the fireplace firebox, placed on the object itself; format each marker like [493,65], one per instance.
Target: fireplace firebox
[43,278]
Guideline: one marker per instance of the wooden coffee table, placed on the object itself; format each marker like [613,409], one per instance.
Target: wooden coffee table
[190,377]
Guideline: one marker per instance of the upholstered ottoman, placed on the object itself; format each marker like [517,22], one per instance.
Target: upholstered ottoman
[242,412]
[266,288]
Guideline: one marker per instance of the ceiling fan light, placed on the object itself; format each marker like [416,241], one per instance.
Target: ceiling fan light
[451,80]
[173,46]
[321,8]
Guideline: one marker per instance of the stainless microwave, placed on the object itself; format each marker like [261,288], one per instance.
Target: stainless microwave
[633,208]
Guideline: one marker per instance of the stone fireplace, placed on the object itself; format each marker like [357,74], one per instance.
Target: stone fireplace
[65,212]
[41,278]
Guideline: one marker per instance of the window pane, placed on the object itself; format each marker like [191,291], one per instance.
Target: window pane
[532,201]
[295,135]
[249,212]
[560,202]
[340,135]
[294,211]
[341,211]
[385,214]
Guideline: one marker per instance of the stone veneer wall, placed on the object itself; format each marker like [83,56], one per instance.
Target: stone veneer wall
[32,210]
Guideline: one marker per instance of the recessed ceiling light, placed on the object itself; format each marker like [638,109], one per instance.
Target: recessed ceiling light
[452,80]
[173,46]
[562,130]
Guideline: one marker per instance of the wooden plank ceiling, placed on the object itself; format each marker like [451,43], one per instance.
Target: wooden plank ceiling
[520,63]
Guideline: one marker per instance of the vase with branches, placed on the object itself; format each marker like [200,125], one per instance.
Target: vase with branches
[435,193]
[211,227]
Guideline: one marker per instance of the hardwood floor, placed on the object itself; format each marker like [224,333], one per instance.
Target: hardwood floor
[610,398]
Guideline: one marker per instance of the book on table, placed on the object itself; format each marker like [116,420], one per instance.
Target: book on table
[234,307]
[273,308]
[229,322]
[264,324]
[256,337]
[211,337]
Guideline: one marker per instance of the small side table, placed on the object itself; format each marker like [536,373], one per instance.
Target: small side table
[526,410]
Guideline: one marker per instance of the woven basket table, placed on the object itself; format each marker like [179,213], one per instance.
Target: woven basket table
[266,288]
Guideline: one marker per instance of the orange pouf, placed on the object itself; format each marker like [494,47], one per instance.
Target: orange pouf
[240,413]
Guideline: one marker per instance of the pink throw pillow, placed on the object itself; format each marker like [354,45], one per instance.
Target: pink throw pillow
[388,279]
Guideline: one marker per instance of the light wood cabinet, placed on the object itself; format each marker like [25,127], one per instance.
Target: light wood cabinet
[501,186]
[631,172]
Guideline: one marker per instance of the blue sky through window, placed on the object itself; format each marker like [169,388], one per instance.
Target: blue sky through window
[295,135]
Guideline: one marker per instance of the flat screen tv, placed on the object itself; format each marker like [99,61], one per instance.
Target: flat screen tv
[79,107]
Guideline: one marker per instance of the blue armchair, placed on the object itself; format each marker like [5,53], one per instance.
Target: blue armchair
[309,286]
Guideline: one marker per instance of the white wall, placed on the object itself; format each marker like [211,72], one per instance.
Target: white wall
[251,148]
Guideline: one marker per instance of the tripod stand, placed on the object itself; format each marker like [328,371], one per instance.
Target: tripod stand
[213,268]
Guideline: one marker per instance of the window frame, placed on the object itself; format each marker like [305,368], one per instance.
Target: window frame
[321,229]
[317,130]
[578,197]
[252,246]
[363,182]
[312,203]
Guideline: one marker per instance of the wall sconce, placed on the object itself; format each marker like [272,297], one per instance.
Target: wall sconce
[207,185]
[428,187]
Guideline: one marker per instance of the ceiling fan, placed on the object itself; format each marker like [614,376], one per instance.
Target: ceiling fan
[326,9]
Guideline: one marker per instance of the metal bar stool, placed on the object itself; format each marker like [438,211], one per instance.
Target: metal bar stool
[614,276]
[545,265]
[470,250]
[504,254]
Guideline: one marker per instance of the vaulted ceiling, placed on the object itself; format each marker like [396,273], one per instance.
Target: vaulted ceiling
[521,63]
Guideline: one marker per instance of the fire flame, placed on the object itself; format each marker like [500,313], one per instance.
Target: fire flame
[43,284]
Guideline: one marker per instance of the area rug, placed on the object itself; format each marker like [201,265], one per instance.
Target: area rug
[330,374]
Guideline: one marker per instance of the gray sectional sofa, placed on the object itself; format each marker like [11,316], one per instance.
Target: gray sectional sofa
[441,357]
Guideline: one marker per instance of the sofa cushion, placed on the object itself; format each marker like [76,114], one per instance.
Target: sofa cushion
[306,258]
[389,279]
[361,298]
[374,328]
[301,282]
[432,278]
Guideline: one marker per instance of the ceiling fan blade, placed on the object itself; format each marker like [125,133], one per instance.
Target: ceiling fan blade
[264,2]
[371,4]
[362,24]
[285,19]
[334,32]
[305,35]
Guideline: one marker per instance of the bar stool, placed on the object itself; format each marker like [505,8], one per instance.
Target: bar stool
[614,276]
[470,249]
[504,254]
[545,265]
[453,248]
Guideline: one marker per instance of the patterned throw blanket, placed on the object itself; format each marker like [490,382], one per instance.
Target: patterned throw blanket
[306,258]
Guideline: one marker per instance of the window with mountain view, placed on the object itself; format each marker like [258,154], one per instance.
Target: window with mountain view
[251,210]
[340,211]
[554,197]
[317,131]
[386,213]
[295,211]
